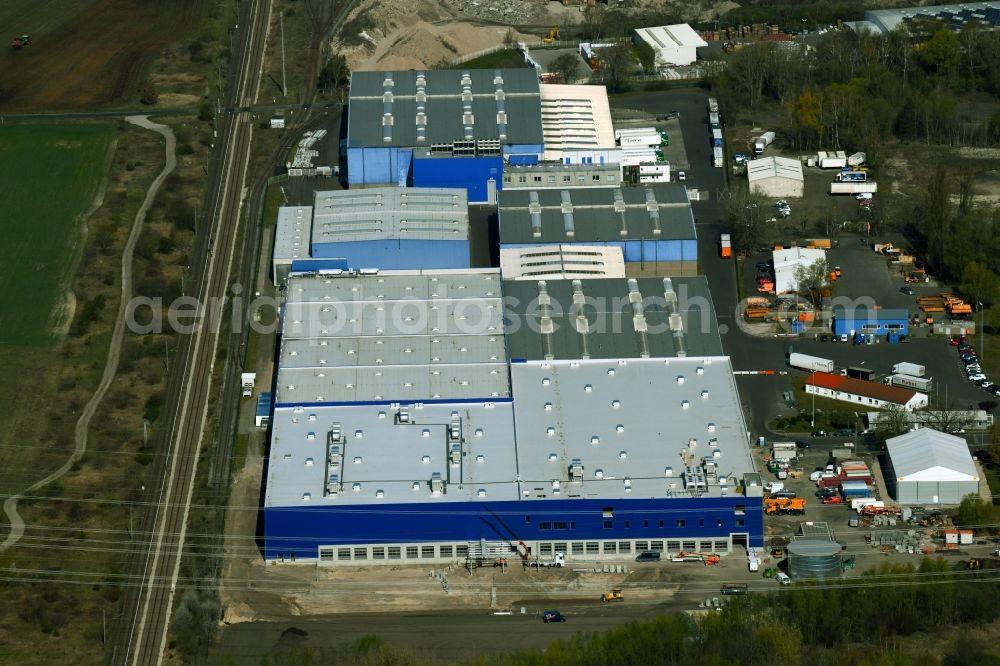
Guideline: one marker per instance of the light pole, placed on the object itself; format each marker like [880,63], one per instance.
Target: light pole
[982,324]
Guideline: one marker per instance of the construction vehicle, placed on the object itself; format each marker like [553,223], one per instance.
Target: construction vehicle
[973,565]
[708,559]
[21,42]
[613,595]
[552,36]
[782,506]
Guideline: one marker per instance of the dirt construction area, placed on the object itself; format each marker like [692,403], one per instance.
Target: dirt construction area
[85,54]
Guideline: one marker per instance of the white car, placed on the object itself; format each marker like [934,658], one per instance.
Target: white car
[681,176]
[976,377]
[782,578]
[816,476]
[864,195]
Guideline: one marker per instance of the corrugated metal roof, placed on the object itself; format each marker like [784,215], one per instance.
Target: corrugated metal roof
[390,213]
[574,117]
[774,167]
[411,335]
[291,236]
[595,214]
[864,313]
[861,387]
[671,36]
[402,106]
[931,455]
[618,321]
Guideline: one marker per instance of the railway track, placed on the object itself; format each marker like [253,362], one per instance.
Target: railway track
[147,614]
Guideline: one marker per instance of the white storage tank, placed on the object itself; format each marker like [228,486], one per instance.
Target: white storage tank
[813,558]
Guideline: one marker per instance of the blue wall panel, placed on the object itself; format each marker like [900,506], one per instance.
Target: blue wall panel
[395,253]
[690,250]
[334,262]
[874,326]
[523,149]
[355,166]
[470,173]
[300,530]
[633,251]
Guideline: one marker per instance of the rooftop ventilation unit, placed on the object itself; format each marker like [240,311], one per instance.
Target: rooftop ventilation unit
[566,207]
[535,210]
[576,470]
[403,416]
[456,454]
[653,209]
[437,485]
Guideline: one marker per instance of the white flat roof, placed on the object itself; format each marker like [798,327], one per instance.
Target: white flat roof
[383,213]
[380,459]
[387,337]
[931,455]
[671,36]
[575,117]
[628,419]
[562,261]
[291,237]
[774,167]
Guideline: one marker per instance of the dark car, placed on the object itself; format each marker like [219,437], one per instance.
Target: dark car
[784,494]
[553,616]
[818,433]
[802,445]
[907,290]
[763,265]
[834,338]
[648,556]
[991,388]
[845,432]
[823,338]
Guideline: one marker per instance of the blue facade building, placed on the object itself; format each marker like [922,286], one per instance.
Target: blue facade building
[441,128]
[403,434]
[652,224]
[851,321]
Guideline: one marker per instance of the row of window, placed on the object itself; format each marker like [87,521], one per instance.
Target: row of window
[331,554]
[610,524]
[566,178]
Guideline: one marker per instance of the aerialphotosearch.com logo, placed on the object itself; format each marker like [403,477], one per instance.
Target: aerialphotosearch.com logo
[320,314]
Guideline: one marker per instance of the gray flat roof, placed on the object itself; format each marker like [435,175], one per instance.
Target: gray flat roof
[291,237]
[545,318]
[595,214]
[380,459]
[505,105]
[864,312]
[405,335]
[627,423]
[390,213]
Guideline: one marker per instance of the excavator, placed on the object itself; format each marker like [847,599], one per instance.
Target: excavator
[709,559]
[782,506]
[552,36]
[21,42]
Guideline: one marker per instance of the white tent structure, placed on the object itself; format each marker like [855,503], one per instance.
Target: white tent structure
[787,262]
[778,177]
[930,467]
[672,44]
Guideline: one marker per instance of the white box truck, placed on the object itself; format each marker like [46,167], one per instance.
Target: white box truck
[811,363]
[717,157]
[634,131]
[762,142]
[248,379]
[922,384]
[912,369]
[831,159]
[854,187]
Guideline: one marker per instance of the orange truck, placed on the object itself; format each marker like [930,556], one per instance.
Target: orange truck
[782,506]
[725,246]
[819,243]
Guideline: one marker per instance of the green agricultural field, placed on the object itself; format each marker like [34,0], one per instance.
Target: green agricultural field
[49,176]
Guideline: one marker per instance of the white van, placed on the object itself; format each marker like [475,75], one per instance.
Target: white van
[774,486]
[782,578]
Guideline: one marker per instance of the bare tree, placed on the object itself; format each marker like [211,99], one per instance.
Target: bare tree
[812,279]
[616,66]
[565,67]
[892,421]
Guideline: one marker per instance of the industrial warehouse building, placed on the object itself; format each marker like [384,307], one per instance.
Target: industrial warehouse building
[927,466]
[652,224]
[385,228]
[987,14]
[787,263]
[441,128]
[402,434]
[863,393]
[847,321]
[672,44]
[546,175]
[777,177]
[575,118]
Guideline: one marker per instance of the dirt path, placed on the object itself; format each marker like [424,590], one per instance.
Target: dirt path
[114,351]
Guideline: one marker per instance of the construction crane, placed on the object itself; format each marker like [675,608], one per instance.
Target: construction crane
[552,36]
[21,42]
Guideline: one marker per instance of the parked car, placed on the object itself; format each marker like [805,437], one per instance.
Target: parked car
[763,265]
[835,499]
[862,196]
[782,578]
[648,556]
[977,376]
[845,432]
[956,341]
[802,445]
[818,433]
[784,494]
[681,176]
[843,337]
[907,290]
[824,338]
[990,388]
[553,616]
[981,382]
[816,476]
